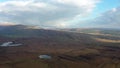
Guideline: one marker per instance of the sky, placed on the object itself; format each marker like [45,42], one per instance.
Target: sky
[61,13]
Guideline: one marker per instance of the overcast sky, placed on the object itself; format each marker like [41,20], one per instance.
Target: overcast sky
[61,13]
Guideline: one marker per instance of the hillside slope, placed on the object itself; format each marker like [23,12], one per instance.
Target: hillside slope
[68,49]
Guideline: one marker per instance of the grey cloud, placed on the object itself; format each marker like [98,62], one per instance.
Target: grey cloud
[42,12]
[108,19]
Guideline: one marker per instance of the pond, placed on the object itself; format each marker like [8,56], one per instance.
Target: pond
[45,57]
[6,44]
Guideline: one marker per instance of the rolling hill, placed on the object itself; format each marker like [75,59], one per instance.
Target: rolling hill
[68,49]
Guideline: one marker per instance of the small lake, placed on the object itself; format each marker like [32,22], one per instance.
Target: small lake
[6,44]
[45,57]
